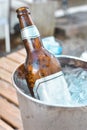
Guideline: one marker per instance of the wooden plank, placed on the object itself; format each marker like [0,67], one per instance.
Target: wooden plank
[5,75]
[7,91]
[16,57]
[10,114]
[8,64]
[4,126]
[22,52]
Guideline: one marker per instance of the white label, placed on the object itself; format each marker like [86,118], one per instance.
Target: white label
[52,89]
[30,32]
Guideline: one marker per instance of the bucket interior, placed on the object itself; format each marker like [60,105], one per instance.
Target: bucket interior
[66,62]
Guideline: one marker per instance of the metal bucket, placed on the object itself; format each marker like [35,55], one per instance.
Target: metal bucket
[39,116]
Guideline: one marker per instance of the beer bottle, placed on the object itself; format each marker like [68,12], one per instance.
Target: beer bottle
[44,76]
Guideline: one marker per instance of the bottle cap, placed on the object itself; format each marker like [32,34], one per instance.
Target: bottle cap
[22,10]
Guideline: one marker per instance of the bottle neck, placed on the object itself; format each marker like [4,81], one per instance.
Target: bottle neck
[29,32]
[25,20]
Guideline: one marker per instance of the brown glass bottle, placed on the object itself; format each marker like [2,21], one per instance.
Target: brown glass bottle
[39,62]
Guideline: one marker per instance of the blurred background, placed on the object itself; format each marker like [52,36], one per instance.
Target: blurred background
[66,20]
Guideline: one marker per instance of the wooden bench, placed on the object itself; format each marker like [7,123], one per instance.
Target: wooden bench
[10,118]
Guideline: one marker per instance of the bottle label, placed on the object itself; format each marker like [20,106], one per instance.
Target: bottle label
[29,32]
[52,89]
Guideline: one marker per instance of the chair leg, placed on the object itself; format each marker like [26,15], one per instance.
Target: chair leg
[7,38]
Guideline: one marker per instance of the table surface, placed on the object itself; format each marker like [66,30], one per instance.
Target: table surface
[10,118]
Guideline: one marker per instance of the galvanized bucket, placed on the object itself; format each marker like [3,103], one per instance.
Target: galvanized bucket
[39,116]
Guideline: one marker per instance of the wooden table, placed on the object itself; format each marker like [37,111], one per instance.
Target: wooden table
[10,118]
